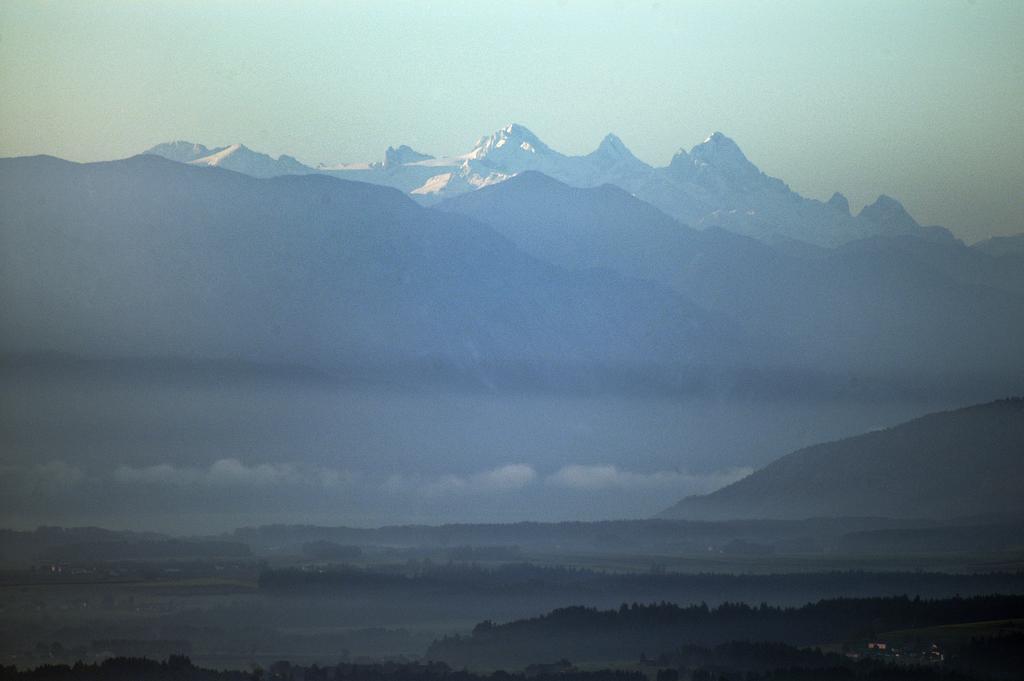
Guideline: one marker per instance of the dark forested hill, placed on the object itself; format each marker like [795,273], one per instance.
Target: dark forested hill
[957,463]
[586,634]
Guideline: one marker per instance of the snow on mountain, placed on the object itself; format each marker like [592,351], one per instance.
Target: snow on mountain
[513,143]
[720,157]
[514,149]
[465,178]
[442,185]
[237,157]
[181,151]
[242,159]
[218,158]
[713,184]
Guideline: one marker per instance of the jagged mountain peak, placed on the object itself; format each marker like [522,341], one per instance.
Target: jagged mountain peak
[719,161]
[718,149]
[613,147]
[681,156]
[402,155]
[887,202]
[718,137]
[711,184]
[888,212]
[518,130]
[512,137]
[840,203]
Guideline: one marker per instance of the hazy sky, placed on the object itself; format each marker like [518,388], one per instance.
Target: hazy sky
[920,100]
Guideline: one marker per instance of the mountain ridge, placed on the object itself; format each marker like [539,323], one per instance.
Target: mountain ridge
[712,184]
[878,293]
[158,258]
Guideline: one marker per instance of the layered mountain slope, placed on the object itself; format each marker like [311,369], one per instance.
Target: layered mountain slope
[242,159]
[893,308]
[145,257]
[969,265]
[579,228]
[945,465]
[712,184]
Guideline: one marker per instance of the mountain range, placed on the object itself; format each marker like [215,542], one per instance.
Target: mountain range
[148,257]
[711,185]
[884,306]
[580,312]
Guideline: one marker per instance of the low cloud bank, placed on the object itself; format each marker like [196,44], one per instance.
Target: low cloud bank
[268,490]
[232,473]
[601,477]
[502,479]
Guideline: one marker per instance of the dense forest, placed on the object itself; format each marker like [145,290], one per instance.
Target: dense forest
[588,634]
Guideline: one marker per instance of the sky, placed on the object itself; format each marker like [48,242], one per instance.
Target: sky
[923,101]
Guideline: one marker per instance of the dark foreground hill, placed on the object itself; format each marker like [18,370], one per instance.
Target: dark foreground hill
[957,463]
[985,659]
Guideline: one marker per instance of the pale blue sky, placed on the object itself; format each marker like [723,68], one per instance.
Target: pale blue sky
[920,100]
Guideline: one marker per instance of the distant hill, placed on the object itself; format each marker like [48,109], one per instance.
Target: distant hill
[580,228]
[957,463]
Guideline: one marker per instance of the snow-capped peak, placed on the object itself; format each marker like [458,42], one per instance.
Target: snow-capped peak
[180,151]
[240,158]
[718,138]
[216,158]
[720,157]
[513,138]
